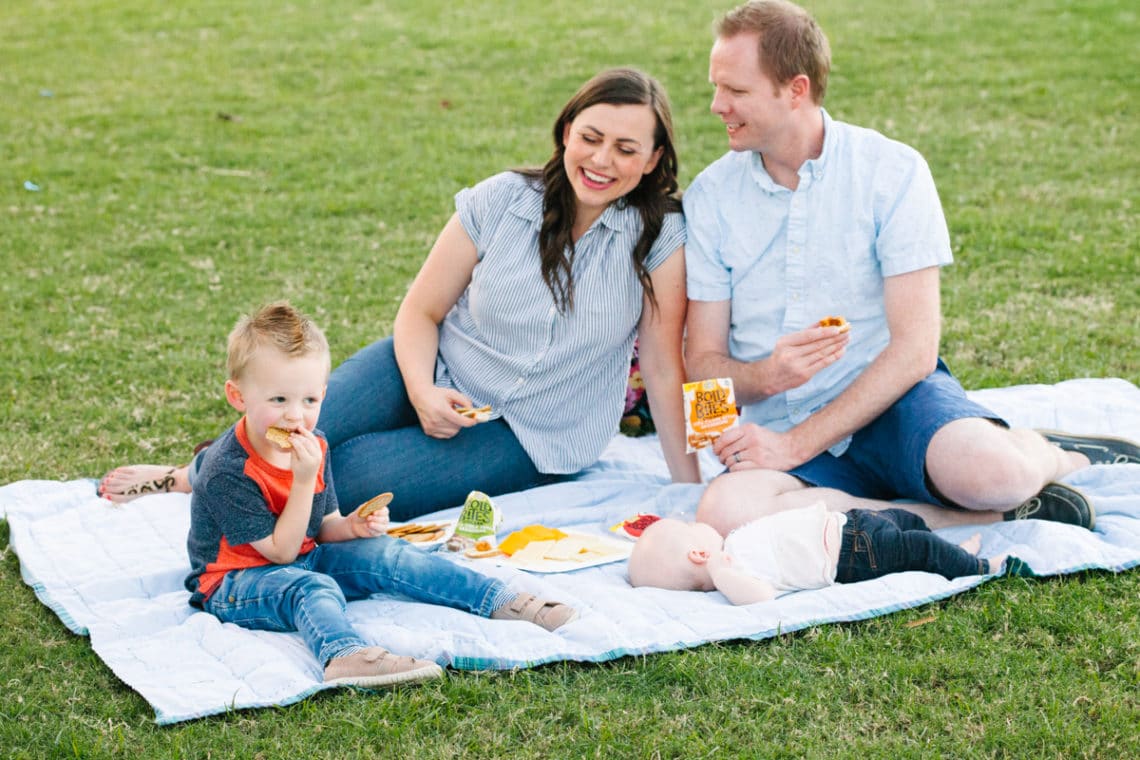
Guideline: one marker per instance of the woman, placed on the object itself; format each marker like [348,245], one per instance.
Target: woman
[529,303]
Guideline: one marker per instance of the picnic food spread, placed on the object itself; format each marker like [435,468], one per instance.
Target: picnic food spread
[375,504]
[578,549]
[279,436]
[710,409]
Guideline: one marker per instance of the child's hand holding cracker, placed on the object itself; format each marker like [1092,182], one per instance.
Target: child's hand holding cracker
[305,455]
[371,518]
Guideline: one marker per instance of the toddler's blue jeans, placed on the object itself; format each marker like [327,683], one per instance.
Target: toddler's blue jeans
[309,594]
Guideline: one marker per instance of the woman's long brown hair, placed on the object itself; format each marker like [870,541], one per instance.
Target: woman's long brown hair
[653,197]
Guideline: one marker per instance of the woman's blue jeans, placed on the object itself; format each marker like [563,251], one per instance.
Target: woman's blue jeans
[376,444]
[309,595]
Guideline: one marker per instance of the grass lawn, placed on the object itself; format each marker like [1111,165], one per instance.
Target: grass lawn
[187,161]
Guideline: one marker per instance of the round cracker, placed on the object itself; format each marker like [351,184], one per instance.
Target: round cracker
[375,504]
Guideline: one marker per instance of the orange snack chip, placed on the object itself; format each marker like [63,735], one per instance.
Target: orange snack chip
[839,322]
[710,409]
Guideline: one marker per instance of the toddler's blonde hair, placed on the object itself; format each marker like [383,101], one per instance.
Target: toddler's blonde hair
[278,325]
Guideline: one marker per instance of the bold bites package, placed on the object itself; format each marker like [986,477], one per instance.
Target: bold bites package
[710,409]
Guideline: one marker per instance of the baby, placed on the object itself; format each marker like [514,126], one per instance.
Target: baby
[797,549]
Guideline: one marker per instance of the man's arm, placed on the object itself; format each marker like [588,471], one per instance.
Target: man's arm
[796,358]
[914,317]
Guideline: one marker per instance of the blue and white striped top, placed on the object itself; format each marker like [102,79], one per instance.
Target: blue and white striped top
[557,379]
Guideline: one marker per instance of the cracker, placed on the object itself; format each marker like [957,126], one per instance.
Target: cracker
[480,414]
[423,538]
[279,436]
[411,529]
[375,504]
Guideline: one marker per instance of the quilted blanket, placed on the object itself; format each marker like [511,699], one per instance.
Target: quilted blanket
[115,573]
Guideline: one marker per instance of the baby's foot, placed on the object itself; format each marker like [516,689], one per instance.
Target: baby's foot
[124,484]
[997,561]
[972,544]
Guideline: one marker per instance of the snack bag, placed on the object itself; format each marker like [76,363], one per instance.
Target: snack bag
[479,518]
[710,409]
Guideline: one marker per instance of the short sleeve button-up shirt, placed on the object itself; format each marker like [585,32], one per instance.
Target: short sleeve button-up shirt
[864,210]
[558,379]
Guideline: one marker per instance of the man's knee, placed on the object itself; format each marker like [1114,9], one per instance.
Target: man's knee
[735,498]
[991,471]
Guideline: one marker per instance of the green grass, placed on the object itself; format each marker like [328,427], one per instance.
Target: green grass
[347,128]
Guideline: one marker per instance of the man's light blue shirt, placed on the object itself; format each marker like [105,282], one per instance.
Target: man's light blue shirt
[864,210]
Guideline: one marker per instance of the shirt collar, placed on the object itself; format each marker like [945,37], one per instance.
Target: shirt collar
[528,205]
[812,168]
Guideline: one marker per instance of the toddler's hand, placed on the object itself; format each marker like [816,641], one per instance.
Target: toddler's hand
[305,455]
[376,524]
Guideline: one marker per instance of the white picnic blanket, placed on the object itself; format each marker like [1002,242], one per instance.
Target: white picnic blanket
[115,573]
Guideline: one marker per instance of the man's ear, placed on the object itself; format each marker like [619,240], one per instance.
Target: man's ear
[800,88]
[698,556]
[233,395]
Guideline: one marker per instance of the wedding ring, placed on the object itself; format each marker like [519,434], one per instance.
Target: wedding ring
[736,457]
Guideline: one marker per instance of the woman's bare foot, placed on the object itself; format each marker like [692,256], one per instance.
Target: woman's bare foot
[124,484]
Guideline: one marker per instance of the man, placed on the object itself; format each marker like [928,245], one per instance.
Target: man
[808,217]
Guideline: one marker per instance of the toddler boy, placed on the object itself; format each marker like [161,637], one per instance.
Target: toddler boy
[268,547]
[806,548]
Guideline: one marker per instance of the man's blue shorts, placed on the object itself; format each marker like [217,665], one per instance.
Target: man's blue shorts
[887,459]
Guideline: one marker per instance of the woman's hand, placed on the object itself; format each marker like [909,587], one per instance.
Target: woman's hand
[435,407]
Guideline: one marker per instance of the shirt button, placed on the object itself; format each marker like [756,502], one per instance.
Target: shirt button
[519,381]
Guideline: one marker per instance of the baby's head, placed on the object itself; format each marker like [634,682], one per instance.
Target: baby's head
[673,554]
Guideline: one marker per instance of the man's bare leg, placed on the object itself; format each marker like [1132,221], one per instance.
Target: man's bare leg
[980,465]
